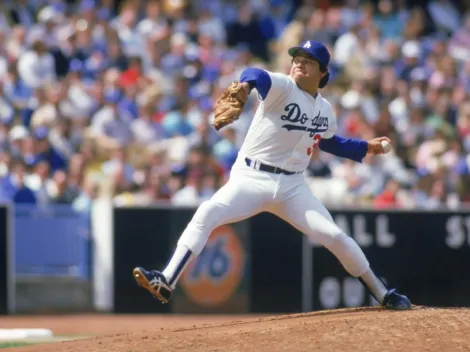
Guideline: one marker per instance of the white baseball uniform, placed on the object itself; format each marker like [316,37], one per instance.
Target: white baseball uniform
[267,176]
[288,125]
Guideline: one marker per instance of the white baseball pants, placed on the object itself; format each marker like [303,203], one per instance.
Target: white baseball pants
[249,192]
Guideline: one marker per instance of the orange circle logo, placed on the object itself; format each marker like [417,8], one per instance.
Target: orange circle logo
[212,277]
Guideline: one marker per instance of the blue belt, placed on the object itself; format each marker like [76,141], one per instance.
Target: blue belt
[268,168]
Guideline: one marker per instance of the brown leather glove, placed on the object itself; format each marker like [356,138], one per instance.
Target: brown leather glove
[229,106]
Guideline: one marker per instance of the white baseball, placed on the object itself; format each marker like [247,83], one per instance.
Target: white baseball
[386,146]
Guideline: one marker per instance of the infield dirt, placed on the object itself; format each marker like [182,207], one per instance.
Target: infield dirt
[359,329]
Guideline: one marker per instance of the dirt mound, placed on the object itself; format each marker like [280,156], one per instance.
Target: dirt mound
[361,329]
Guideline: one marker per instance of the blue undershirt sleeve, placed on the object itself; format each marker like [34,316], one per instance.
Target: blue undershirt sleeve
[258,79]
[354,149]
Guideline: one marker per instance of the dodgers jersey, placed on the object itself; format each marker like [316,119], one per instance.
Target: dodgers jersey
[288,125]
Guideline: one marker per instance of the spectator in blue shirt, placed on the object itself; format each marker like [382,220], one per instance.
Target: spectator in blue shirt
[175,123]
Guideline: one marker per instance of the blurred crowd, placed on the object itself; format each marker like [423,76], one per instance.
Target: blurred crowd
[114,99]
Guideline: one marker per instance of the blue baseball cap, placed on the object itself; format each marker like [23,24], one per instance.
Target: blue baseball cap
[317,51]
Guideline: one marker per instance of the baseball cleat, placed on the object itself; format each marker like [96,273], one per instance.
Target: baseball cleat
[154,282]
[394,300]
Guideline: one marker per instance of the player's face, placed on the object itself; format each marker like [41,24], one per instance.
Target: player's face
[306,71]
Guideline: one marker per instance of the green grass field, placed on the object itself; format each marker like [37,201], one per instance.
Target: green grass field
[60,338]
[13,344]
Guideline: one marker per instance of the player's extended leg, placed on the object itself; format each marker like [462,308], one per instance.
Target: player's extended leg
[305,212]
[247,193]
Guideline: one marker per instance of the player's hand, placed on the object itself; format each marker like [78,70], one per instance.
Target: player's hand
[375,147]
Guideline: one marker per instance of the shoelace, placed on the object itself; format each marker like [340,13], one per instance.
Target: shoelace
[156,281]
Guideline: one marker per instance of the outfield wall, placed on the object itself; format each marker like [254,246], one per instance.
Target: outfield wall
[263,265]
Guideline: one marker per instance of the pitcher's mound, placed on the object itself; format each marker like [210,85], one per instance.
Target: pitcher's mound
[361,329]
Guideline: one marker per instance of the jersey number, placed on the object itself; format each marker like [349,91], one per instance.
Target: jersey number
[316,140]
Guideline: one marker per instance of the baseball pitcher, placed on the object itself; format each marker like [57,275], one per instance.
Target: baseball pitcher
[292,120]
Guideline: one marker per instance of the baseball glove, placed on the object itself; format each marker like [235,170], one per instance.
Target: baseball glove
[229,106]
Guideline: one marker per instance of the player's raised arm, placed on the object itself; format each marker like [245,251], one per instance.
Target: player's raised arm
[256,78]
[271,87]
